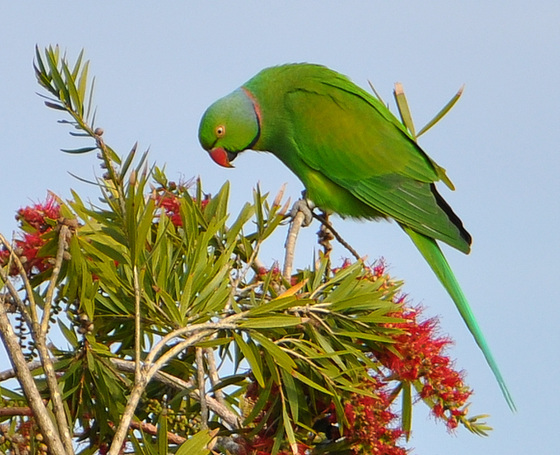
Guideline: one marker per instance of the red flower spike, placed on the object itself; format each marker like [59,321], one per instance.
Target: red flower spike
[35,220]
[372,426]
[169,201]
[420,357]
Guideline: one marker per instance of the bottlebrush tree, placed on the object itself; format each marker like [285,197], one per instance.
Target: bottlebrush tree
[177,338]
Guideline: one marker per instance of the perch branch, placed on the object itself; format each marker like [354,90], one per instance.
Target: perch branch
[337,236]
[290,245]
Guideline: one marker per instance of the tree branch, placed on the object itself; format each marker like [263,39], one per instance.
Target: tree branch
[44,355]
[11,289]
[30,390]
[62,246]
[290,245]
[229,417]
[201,379]
[323,219]
[150,369]
[213,374]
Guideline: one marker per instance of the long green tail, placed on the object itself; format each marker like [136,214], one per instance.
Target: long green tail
[434,256]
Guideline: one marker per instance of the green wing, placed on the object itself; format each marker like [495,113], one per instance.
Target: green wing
[351,139]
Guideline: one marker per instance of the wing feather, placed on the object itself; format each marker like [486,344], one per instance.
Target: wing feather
[353,140]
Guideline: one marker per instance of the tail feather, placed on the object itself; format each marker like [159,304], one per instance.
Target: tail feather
[435,258]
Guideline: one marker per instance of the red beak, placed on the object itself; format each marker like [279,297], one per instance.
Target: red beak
[220,156]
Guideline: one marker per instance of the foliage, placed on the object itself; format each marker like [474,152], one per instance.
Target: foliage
[178,339]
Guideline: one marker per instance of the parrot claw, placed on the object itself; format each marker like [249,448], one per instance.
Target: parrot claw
[304,206]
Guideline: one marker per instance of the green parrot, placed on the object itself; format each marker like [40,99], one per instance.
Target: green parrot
[353,157]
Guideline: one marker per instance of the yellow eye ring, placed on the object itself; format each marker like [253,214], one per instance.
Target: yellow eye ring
[220,130]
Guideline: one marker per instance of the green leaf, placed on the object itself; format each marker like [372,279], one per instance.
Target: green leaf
[80,150]
[358,303]
[277,353]
[68,333]
[442,112]
[310,383]
[196,445]
[271,322]
[288,425]
[162,440]
[278,304]
[289,387]
[262,401]
[58,107]
[406,408]
[254,360]
[75,101]
[404,111]
[76,70]
[82,82]
[110,250]
[52,61]
[364,336]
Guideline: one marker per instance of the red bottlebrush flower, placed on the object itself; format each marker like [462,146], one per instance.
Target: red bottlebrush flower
[169,201]
[36,215]
[275,272]
[419,356]
[372,426]
[35,220]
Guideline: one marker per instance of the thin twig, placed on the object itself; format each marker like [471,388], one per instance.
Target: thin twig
[201,379]
[213,374]
[226,323]
[226,414]
[8,374]
[149,369]
[56,397]
[62,245]
[153,430]
[34,318]
[12,290]
[235,283]
[12,411]
[337,236]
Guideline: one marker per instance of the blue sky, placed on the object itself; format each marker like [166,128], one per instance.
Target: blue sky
[159,65]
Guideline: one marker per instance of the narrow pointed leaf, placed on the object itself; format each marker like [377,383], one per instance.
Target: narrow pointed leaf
[278,354]
[406,409]
[79,151]
[404,111]
[443,112]
[310,383]
[196,445]
[251,357]
[271,322]
[58,107]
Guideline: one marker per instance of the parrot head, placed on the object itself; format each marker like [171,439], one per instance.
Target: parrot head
[229,126]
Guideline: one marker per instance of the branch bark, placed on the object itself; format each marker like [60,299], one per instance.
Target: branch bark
[290,245]
[28,385]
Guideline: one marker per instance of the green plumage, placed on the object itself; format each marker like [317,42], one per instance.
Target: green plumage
[352,155]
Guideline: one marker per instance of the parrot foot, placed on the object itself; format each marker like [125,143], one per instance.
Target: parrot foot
[304,206]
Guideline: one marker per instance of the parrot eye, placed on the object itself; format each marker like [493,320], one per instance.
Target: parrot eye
[220,130]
